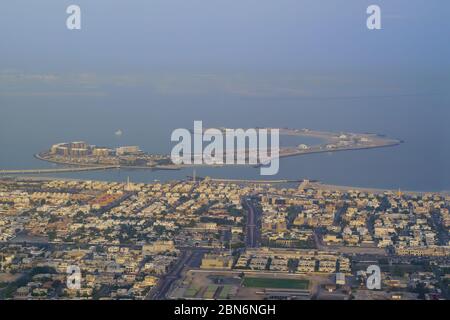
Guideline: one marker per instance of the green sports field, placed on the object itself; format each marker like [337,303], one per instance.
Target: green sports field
[275,283]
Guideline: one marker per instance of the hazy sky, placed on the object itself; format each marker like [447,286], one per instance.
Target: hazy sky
[193,46]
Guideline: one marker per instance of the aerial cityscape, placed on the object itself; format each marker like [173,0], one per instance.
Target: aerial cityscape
[238,153]
[204,239]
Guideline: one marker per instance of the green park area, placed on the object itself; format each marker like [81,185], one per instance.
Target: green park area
[275,283]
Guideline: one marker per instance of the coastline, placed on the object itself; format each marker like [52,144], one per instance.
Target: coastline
[312,183]
[326,186]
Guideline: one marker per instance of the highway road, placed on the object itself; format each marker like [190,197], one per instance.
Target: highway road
[252,232]
[189,258]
